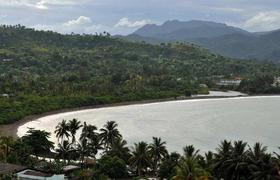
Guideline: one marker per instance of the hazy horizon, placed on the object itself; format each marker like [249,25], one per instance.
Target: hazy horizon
[124,17]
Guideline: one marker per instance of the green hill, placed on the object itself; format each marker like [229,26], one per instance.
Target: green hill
[44,71]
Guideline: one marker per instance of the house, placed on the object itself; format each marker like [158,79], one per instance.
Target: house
[70,168]
[9,169]
[5,95]
[29,174]
[276,82]
[229,82]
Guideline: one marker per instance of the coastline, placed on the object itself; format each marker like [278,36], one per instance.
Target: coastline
[11,129]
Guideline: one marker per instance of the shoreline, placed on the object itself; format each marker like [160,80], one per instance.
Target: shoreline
[11,129]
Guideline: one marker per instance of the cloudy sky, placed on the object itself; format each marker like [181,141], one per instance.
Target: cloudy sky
[125,16]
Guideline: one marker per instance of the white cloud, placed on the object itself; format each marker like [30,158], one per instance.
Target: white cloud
[38,4]
[125,22]
[80,21]
[82,24]
[228,9]
[264,21]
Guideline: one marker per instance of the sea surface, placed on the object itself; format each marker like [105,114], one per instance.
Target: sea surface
[200,122]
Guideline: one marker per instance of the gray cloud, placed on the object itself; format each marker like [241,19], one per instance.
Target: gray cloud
[124,16]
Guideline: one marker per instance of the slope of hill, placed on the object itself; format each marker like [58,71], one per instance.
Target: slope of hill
[217,37]
[43,71]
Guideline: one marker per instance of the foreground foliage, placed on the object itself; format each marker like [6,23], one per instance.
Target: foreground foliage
[231,160]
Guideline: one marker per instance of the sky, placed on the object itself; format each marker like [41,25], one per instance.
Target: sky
[126,16]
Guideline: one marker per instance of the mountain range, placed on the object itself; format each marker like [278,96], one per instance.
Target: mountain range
[217,37]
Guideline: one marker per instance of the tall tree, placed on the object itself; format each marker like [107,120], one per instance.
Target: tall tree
[74,125]
[157,151]
[62,130]
[91,138]
[190,169]
[190,151]
[39,141]
[66,151]
[109,134]
[223,154]
[140,158]
[236,165]
[120,149]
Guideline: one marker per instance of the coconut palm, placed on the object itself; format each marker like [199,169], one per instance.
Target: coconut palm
[256,153]
[190,151]
[157,151]
[83,149]
[62,130]
[120,149]
[109,134]
[74,125]
[65,151]
[223,153]
[265,169]
[91,137]
[89,132]
[236,165]
[140,159]
[189,169]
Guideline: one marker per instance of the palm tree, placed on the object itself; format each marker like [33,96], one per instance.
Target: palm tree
[265,169]
[236,165]
[120,149]
[189,169]
[62,130]
[91,137]
[223,153]
[109,134]
[74,125]
[256,153]
[65,151]
[190,151]
[140,157]
[157,151]
[88,132]
[83,149]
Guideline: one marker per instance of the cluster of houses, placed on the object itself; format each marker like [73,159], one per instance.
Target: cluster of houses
[37,173]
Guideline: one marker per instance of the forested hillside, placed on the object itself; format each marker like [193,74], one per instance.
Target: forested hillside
[43,71]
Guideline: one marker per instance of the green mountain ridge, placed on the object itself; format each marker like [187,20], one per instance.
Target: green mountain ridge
[217,37]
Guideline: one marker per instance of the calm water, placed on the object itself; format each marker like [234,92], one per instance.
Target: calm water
[203,123]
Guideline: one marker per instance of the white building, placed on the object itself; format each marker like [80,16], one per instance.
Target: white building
[229,82]
[29,174]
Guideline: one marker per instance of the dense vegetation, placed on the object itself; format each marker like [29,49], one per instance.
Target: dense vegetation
[231,160]
[44,71]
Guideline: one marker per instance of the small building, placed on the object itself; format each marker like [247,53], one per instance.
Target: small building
[203,86]
[9,169]
[70,168]
[30,174]
[229,82]
[276,82]
[5,95]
